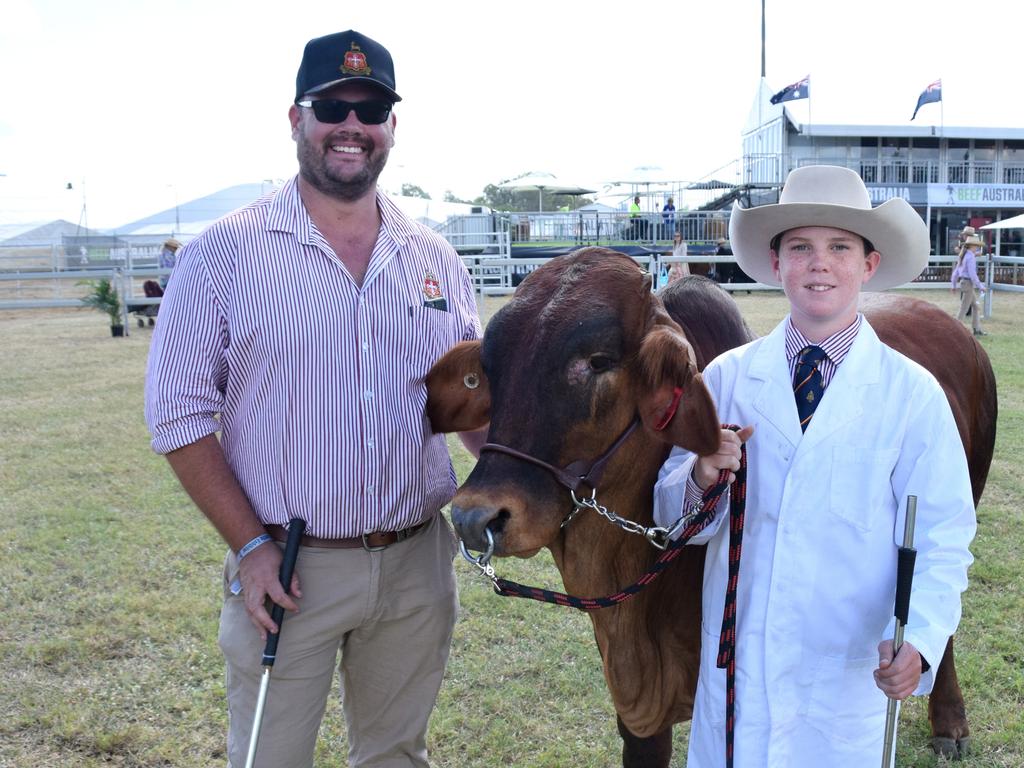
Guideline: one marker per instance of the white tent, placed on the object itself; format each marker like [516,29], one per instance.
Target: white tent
[1014,222]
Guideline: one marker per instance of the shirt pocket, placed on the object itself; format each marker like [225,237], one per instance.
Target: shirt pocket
[430,333]
[860,487]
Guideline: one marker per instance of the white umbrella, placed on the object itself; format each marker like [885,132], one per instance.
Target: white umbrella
[1014,222]
[540,181]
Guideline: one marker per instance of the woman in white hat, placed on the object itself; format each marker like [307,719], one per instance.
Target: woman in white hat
[965,277]
[826,491]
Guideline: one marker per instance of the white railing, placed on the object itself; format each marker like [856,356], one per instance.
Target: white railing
[491,275]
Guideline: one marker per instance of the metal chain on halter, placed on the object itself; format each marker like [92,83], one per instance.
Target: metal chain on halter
[694,521]
[657,536]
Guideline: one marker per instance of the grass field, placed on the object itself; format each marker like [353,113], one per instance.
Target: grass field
[109,584]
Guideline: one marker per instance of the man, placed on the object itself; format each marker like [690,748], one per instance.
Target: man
[301,327]
[965,277]
[827,491]
[167,258]
[637,225]
[668,218]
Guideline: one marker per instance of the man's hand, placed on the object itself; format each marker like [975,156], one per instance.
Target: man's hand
[898,678]
[259,573]
[707,468]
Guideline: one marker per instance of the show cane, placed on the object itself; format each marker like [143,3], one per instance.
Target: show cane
[904,579]
[296,527]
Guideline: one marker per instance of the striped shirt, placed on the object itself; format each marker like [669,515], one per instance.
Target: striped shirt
[836,347]
[315,383]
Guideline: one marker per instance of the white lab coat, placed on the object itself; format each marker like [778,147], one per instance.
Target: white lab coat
[825,516]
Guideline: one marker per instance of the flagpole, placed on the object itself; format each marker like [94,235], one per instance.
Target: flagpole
[942,113]
[810,122]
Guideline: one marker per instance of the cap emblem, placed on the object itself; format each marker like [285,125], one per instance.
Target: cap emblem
[354,62]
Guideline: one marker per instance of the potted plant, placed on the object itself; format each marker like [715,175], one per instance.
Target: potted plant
[103,296]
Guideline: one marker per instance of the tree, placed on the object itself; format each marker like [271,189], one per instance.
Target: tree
[506,200]
[450,197]
[411,190]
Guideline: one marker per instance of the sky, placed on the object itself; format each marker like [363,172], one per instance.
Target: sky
[140,105]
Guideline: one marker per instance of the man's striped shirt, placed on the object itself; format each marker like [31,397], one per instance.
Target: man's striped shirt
[315,382]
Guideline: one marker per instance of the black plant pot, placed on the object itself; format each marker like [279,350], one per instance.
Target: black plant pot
[117,330]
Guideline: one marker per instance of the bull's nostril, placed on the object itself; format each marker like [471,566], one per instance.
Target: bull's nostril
[497,525]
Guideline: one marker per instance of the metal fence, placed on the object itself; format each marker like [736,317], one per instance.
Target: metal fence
[83,253]
[39,277]
[615,227]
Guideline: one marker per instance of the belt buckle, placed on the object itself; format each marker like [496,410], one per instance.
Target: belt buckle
[368,547]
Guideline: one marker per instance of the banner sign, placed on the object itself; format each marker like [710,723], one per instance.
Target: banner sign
[915,194]
[976,195]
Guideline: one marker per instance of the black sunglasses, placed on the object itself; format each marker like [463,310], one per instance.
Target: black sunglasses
[373,112]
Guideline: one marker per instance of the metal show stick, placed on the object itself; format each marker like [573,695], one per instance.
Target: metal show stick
[904,578]
[296,527]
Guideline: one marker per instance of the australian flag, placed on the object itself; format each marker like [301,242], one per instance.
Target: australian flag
[930,94]
[801,89]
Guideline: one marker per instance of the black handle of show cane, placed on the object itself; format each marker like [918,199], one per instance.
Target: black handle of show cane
[296,528]
[904,580]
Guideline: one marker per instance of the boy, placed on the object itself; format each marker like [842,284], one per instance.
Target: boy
[827,490]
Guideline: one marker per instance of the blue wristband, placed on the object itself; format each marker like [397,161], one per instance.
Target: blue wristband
[259,541]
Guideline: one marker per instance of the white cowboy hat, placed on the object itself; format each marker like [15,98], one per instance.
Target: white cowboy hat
[832,196]
[973,239]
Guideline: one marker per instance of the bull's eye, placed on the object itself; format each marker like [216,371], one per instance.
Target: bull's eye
[600,363]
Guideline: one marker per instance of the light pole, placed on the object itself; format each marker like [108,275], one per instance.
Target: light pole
[177,213]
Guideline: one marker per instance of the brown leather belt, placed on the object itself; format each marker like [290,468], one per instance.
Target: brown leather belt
[371,542]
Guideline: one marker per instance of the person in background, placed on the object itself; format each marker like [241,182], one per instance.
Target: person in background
[965,277]
[678,269]
[723,269]
[637,225]
[668,219]
[301,328]
[168,257]
[827,491]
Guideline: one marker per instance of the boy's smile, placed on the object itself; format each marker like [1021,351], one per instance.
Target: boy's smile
[822,270]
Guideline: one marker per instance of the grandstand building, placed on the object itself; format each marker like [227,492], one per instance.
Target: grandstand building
[952,176]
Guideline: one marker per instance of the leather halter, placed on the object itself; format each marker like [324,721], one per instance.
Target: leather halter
[576,473]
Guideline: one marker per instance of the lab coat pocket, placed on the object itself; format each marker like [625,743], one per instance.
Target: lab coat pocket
[844,702]
[860,487]
[711,681]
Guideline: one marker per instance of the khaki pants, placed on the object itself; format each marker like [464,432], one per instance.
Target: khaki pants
[390,613]
[968,299]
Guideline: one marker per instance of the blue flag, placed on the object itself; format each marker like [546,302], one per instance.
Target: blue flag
[801,89]
[930,94]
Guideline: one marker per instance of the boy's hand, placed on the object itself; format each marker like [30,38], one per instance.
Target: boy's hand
[707,468]
[898,679]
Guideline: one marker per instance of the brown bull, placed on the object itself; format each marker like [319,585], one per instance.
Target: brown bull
[583,350]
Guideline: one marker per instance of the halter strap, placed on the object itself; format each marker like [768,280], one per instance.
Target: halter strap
[576,473]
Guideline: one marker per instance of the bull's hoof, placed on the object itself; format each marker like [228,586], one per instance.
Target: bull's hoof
[953,749]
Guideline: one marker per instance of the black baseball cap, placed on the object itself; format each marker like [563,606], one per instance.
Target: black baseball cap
[341,58]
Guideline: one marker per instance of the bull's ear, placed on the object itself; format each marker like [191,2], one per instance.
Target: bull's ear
[673,402]
[458,395]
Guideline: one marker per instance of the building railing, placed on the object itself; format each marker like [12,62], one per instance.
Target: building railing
[898,170]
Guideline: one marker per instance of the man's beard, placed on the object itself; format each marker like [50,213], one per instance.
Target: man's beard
[314,169]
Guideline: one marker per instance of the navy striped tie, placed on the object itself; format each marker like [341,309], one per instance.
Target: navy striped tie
[807,383]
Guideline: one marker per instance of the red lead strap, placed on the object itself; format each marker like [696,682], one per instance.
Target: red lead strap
[727,639]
